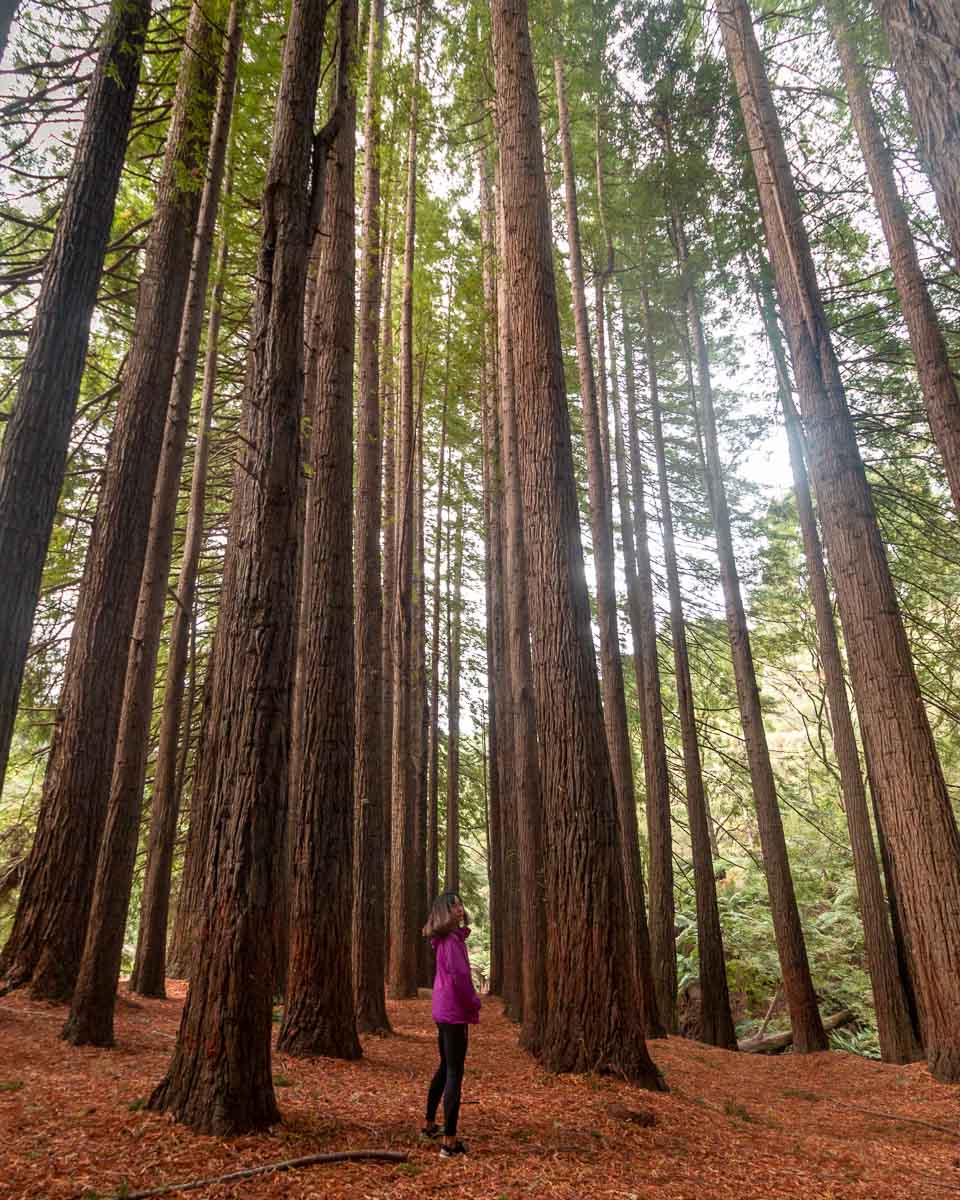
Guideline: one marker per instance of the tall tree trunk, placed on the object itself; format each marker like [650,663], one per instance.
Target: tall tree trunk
[433,765]
[47,938]
[388,410]
[716,1020]
[491,758]
[33,453]
[914,803]
[454,628]
[529,800]
[319,1013]
[611,665]
[926,337]
[402,975]
[369,910]
[422,724]
[924,37]
[897,1040]
[219,1080]
[808,1034]
[639,576]
[91,1013]
[148,976]
[593,1001]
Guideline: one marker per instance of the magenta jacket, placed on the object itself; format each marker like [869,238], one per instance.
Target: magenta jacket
[455,1000]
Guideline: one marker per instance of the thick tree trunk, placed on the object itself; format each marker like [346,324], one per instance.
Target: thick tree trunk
[454,629]
[911,792]
[47,938]
[926,337]
[791,948]
[924,37]
[33,453]
[319,1013]
[91,1013]
[402,974]
[526,765]
[663,951]
[593,1002]
[219,1080]
[716,1020]
[897,1040]
[611,665]
[368,900]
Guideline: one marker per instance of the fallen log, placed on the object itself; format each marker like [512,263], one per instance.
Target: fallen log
[778,1042]
[291,1164]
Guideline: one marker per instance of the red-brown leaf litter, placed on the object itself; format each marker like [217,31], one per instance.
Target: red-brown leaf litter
[818,1126]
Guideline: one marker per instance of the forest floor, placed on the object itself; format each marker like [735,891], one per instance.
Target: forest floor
[733,1125]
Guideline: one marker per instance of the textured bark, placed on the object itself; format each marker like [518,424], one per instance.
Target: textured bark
[526,766]
[926,337]
[643,619]
[454,630]
[897,1040]
[402,972]
[369,912]
[611,665]
[33,453]
[791,948]
[219,1080]
[592,1003]
[149,968]
[915,807]
[8,10]
[91,1012]
[425,962]
[388,409]
[924,37]
[319,1012]
[47,938]
[716,1020]
[433,764]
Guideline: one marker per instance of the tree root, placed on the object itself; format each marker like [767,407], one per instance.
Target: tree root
[291,1164]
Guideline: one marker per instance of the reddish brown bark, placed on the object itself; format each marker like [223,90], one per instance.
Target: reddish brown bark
[592,1003]
[219,1080]
[369,912]
[33,453]
[911,792]
[47,938]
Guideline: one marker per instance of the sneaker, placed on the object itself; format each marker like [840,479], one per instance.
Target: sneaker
[452,1151]
[431,1131]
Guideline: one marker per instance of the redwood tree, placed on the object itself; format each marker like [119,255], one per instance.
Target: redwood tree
[219,1080]
[592,1002]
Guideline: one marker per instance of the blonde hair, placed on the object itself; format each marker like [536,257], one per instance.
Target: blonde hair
[442,919]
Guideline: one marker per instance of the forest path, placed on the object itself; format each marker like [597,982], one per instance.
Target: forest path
[743,1126]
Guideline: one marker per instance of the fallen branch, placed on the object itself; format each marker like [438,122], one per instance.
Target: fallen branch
[780,1041]
[291,1164]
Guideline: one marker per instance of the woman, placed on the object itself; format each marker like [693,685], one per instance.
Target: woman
[455,1006]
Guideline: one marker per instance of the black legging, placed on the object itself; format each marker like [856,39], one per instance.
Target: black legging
[448,1080]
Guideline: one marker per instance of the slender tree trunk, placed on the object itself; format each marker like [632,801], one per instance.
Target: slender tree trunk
[47,938]
[433,766]
[319,1013]
[219,1080]
[8,10]
[454,628]
[897,1040]
[422,725]
[611,666]
[926,337]
[911,792]
[643,619]
[592,1002]
[388,409]
[369,853]
[91,1013]
[924,37]
[529,800]
[33,453]
[798,987]
[492,779]
[402,976]
[716,1020]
